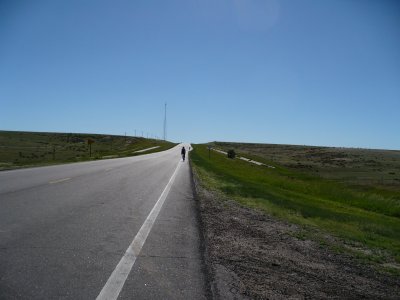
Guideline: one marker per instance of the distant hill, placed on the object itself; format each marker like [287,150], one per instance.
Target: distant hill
[353,166]
[21,149]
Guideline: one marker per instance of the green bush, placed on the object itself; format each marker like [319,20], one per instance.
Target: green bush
[231,154]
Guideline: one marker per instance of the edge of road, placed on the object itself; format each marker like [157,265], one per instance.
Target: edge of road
[206,267]
[221,283]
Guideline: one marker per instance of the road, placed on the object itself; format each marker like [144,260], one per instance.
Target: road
[119,228]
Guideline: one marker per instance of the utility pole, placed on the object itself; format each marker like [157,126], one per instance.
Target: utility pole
[165,122]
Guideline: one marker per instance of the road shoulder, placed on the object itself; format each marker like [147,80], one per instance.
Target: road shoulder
[170,265]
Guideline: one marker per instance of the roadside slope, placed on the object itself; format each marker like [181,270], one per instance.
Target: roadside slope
[252,254]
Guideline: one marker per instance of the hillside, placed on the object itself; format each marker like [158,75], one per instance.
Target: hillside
[308,222]
[22,149]
[372,168]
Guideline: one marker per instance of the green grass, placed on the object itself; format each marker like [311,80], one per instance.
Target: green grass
[360,217]
[23,149]
[364,169]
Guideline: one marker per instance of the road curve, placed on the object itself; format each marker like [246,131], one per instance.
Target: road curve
[64,230]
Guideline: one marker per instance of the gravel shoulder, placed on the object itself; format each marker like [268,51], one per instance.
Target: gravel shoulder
[251,255]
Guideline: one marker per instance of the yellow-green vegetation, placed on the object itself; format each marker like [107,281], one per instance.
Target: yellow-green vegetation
[365,217]
[361,168]
[21,149]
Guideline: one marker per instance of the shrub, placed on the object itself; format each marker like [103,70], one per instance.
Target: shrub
[231,153]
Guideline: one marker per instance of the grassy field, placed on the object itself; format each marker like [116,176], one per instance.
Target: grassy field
[21,149]
[346,195]
[362,168]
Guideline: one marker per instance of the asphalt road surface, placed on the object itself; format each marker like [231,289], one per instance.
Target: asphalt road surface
[111,229]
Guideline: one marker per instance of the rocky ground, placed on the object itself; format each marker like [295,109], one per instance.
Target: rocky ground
[251,255]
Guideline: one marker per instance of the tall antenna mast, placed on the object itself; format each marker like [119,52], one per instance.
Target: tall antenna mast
[165,122]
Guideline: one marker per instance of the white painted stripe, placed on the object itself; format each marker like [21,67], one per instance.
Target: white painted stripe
[148,149]
[59,180]
[114,284]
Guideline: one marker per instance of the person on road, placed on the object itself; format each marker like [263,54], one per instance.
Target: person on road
[183,153]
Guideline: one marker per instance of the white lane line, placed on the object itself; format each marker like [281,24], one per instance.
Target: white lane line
[114,284]
[59,180]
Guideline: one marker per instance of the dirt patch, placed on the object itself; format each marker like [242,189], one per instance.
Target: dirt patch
[251,255]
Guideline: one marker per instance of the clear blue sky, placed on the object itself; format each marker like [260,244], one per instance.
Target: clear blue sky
[307,72]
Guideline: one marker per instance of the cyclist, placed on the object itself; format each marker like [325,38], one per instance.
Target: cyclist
[183,153]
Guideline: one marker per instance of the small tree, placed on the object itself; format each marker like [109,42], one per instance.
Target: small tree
[90,142]
[231,154]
